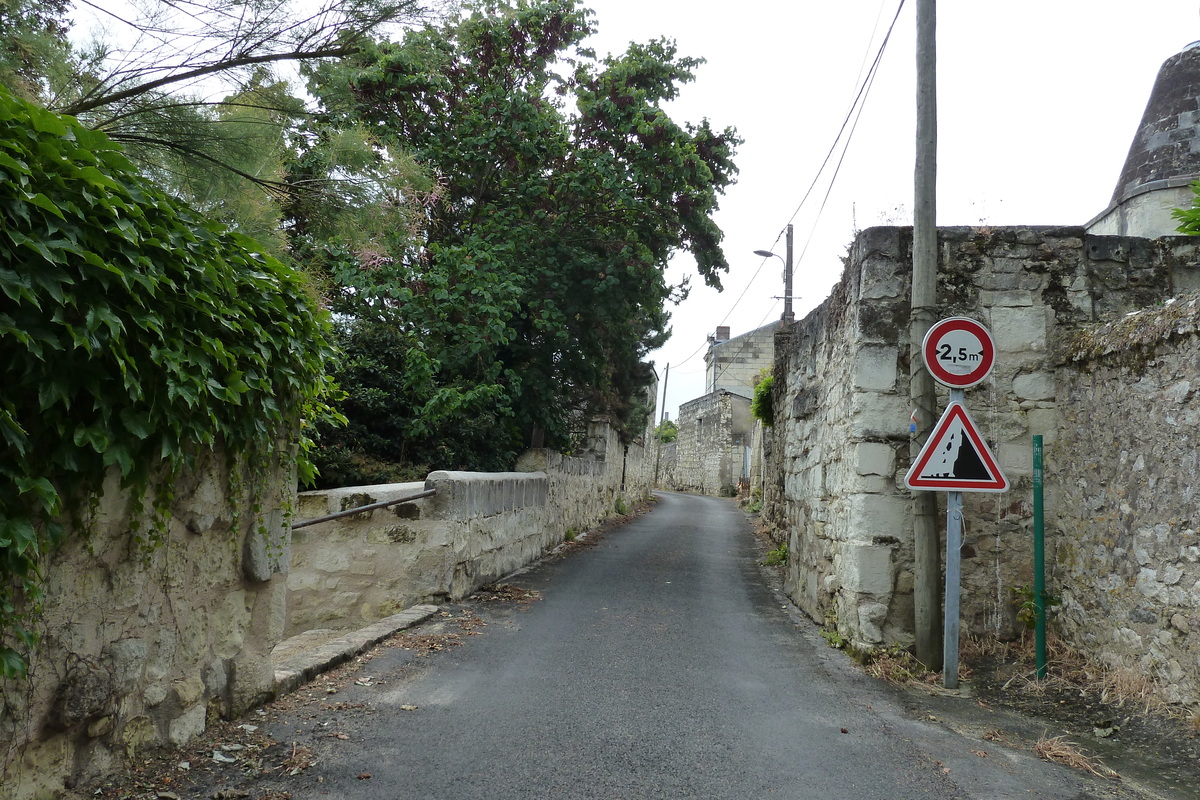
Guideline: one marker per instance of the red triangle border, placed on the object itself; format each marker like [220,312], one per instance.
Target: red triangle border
[998,481]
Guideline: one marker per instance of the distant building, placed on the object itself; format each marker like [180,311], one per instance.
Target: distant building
[735,364]
[1164,158]
[711,453]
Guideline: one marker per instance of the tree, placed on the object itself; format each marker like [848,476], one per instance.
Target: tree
[667,431]
[762,406]
[192,91]
[33,45]
[564,189]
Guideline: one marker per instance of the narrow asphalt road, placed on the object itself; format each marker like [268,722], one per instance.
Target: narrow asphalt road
[656,665]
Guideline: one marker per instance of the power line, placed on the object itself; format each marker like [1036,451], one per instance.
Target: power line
[859,98]
[853,114]
[869,82]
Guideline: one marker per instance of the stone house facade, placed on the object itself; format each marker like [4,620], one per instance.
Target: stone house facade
[734,364]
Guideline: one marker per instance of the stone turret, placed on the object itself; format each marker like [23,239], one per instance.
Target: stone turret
[1164,158]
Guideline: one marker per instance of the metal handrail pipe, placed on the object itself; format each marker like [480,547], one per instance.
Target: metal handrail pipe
[304,523]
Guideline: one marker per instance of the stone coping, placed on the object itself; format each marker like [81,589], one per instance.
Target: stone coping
[301,658]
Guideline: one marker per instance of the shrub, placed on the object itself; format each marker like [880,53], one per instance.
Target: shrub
[761,406]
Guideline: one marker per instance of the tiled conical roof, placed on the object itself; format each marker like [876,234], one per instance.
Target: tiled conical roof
[1166,148]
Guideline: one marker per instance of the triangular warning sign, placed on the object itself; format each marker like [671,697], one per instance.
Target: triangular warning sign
[956,458]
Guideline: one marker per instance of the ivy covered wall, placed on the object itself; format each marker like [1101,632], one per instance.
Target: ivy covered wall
[154,372]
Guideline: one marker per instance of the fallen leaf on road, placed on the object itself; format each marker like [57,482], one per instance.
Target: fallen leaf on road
[407,707]
[343,736]
[844,730]
[362,776]
[980,753]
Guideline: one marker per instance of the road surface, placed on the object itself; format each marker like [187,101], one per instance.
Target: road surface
[657,664]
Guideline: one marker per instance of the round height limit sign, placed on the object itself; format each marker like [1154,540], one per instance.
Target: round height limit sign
[959,352]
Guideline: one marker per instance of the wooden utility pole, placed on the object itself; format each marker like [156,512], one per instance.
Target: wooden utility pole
[658,427]
[927,561]
[788,315]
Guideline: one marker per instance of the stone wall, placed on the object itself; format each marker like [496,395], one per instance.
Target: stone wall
[707,455]
[349,572]
[836,457]
[1127,554]
[141,645]
[477,528]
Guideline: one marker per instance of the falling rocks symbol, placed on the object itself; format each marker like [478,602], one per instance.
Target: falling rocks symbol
[958,454]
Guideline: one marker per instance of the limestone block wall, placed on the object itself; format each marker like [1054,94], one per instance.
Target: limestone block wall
[840,446]
[840,417]
[351,571]
[477,528]
[1127,553]
[141,644]
[667,458]
[708,451]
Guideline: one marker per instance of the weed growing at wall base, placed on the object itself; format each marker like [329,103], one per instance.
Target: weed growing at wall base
[777,556]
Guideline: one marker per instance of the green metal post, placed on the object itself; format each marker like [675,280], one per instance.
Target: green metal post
[1039,558]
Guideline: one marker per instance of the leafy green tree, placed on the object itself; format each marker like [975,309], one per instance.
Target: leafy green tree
[191,89]
[33,45]
[667,431]
[563,189]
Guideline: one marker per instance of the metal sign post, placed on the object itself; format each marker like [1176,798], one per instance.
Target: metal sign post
[958,352]
[954,535]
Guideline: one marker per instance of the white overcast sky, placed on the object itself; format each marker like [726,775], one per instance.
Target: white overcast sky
[1037,102]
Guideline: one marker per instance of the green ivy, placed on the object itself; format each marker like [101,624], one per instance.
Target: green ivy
[134,336]
[761,406]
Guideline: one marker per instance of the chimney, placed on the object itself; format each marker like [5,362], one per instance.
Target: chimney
[722,334]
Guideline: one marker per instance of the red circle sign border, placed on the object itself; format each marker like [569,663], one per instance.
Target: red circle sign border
[942,327]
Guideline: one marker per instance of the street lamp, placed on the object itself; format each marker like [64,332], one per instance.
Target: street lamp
[788,316]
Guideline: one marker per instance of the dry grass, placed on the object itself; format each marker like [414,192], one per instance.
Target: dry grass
[1060,751]
[972,649]
[900,668]
[897,667]
[1128,686]
[1069,671]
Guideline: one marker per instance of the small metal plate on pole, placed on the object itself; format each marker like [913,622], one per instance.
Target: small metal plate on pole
[958,352]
